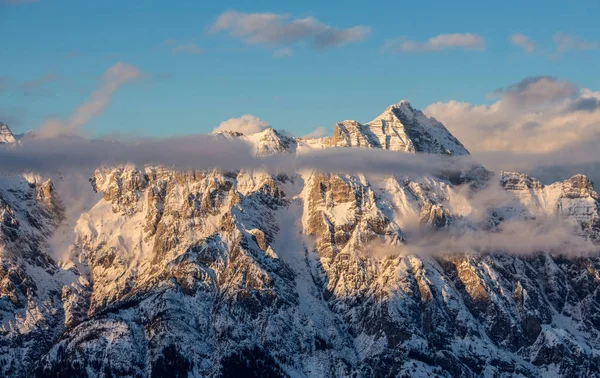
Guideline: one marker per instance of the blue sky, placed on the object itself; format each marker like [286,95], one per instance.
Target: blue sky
[54,53]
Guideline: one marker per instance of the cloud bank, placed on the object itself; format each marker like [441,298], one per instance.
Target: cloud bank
[201,152]
[536,115]
[279,29]
[542,126]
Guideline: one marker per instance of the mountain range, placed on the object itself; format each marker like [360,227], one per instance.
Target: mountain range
[246,273]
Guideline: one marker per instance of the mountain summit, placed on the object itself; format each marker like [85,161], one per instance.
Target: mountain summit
[6,136]
[399,128]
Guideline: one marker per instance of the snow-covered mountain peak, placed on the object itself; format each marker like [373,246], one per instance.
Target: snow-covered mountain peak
[415,131]
[403,106]
[265,142]
[270,141]
[6,136]
[399,128]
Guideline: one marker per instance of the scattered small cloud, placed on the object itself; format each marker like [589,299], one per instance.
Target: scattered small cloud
[246,124]
[273,29]
[569,42]
[282,53]
[117,75]
[523,42]
[319,132]
[563,44]
[179,47]
[464,41]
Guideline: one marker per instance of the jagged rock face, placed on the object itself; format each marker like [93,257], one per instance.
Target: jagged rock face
[211,273]
[573,199]
[35,302]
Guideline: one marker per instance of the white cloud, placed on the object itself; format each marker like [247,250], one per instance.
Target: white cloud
[282,53]
[117,75]
[523,42]
[179,47]
[536,115]
[464,41]
[246,124]
[279,29]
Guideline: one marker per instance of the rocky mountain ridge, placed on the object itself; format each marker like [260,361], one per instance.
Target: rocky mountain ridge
[212,273]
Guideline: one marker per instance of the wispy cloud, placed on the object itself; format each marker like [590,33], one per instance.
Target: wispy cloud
[523,42]
[246,124]
[179,47]
[18,1]
[32,85]
[570,42]
[280,29]
[463,41]
[563,44]
[117,75]
[282,53]
[28,87]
